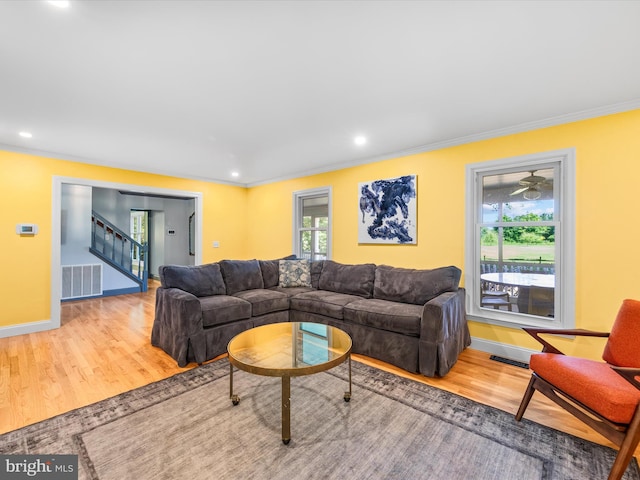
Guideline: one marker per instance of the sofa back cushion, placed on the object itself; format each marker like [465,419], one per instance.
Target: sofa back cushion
[270,271]
[408,285]
[350,279]
[241,275]
[199,280]
[316,270]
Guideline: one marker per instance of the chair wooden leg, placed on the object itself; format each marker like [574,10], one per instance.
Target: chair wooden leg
[526,398]
[627,440]
[627,448]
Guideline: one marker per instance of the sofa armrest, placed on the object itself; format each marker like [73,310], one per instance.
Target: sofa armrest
[178,317]
[179,309]
[443,315]
[444,333]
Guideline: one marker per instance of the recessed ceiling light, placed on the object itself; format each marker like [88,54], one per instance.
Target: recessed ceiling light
[235,174]
[25,134]
[360,140]
[59,3]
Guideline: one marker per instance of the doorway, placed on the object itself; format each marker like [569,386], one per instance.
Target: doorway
[56,234]
[139,231]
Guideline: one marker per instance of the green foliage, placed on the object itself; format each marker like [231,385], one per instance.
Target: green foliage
[320,236]
[528,235]
[322,242]
[531,238]
[488,236]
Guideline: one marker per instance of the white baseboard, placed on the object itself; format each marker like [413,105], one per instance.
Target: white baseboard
[24,328]
[502,350]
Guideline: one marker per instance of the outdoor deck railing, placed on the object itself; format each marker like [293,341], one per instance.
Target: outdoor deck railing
[516,267]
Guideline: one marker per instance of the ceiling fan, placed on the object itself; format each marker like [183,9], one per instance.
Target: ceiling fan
[530,186]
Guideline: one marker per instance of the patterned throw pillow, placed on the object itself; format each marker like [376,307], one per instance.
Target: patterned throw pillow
[294,273]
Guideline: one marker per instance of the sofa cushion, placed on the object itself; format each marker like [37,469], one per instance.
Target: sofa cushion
[396,317]
[221,309]
[271,270]
[349,279]
[407,285]
[240,275]
[322,302]
[199,280]
[316,270]
[264,301]
[294,273]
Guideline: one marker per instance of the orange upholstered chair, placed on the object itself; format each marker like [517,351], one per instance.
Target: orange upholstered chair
[604,395]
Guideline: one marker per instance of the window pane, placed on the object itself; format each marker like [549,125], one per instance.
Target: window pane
[517,196]
[315,207]
[517,242]
[524,271]
[321,245]
[305,244]
[488,245]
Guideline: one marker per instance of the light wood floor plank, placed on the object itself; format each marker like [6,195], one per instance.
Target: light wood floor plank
[103,349]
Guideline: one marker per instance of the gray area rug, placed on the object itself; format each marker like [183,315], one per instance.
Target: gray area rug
[393,428]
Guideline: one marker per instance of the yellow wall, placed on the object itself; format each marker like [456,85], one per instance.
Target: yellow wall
[259,226]
[26,195]
[607,232]
[433,249]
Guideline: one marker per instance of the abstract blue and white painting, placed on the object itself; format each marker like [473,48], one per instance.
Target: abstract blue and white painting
[388,211]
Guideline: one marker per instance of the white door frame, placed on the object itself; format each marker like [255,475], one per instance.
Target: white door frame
[56,230]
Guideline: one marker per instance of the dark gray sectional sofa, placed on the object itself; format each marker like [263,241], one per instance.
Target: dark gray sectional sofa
[414,319]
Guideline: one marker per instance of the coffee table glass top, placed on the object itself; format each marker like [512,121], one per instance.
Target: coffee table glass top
[289,348]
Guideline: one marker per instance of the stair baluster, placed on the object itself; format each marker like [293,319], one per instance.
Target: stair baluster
[116,248]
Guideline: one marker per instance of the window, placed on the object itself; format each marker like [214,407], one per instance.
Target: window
[520,240]
[312,224]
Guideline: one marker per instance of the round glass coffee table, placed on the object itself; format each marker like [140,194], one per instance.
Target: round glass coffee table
[286,350]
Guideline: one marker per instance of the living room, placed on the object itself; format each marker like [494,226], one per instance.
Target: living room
[255,220]
[27,186]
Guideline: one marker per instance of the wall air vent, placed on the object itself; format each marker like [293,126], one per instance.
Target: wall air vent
[80,281]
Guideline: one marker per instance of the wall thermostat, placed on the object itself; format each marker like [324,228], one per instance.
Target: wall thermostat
[26,229]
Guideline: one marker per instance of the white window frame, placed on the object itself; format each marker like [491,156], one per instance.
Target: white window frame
[564,215]
[298,197]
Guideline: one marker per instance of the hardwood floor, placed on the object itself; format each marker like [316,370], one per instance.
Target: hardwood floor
[103,349]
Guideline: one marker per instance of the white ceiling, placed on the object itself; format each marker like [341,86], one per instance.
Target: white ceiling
[277,89]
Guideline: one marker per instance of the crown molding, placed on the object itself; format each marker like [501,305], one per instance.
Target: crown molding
[477,137]
[501,132]
[74,158]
